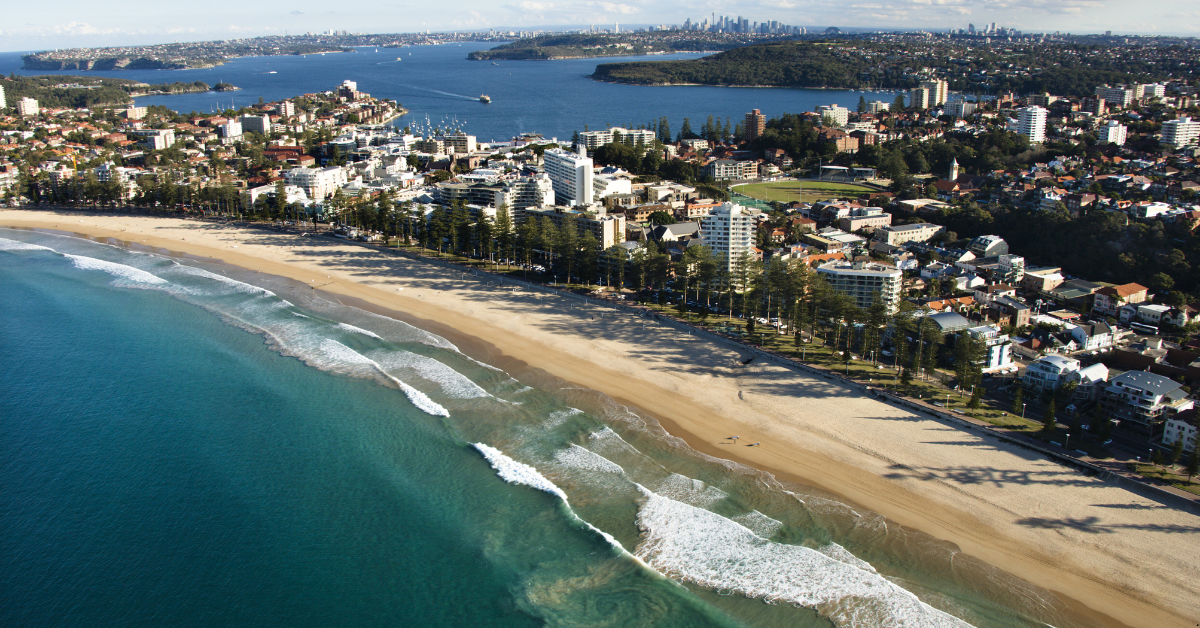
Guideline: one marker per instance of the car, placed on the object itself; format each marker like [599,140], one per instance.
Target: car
[1107,442]
[939,404]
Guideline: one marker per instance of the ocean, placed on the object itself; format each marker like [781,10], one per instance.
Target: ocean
[441,88]
[192,444]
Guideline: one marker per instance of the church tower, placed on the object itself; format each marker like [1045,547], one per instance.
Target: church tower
[954,170]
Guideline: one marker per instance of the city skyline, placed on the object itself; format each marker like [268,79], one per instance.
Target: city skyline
[29,28]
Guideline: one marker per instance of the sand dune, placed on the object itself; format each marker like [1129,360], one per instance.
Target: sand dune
[1117,557]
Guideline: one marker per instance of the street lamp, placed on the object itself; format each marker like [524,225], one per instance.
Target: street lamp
[1067,444]
[1022,411]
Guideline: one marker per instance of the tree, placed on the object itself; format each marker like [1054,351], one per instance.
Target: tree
[976,398]
[661,218]
[749,326]
[1048,422]
[1018,404]
[1193,463]
[1176,450]
[862,104]
[898,105]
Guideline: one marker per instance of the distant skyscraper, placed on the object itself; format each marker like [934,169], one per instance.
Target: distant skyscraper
[1031,122]
[756,123]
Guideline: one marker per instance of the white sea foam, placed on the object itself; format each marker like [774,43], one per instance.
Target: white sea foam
[452,382]
[695,545]
[17,245]
[558,417]
[239,286]
[577,457]
[759,523]
[689,491]
[837,552]
[358,330]
[339,352]
[120,271]
[515,472]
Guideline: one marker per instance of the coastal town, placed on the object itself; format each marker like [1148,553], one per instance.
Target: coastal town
[1115,357]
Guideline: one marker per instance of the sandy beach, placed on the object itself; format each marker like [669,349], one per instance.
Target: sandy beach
[1118,558]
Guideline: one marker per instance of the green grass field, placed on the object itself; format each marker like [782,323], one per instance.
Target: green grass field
[806,191]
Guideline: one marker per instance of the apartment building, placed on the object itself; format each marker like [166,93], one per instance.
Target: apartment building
[1114,133]
[901,234]
[28,107]
[317,183]
[862,282]
[1181,131]
[728,231]
[570,174]
[632,137]
[1031,122]
[1143,400]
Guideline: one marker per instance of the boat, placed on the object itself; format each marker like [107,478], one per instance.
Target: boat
[272,72]
[484,98]
[494,63]
[399,58]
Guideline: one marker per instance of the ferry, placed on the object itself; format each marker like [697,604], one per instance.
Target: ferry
[272,72]
[484,98]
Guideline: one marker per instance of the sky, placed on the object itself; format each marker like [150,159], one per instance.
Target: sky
[74,23]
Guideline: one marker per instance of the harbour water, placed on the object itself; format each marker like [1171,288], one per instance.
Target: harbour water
[192,444]
[440,87]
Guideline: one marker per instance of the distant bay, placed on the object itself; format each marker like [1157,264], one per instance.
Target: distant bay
[440,87]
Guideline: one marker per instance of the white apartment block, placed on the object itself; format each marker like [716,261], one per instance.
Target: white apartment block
[1143,398]
[230,129]
[1181,132]
[1150,90]
[606,185]
[257,124]
[839,115]
[998,355]
[286,109]
[595,139]
[1114,133]
[154,139]
[919,98]
[3,102]
[900,234]
[1119,95]
[317,183]
[570,174]
[960,108]
[939,92]
[460,143]
[862,282]
[1048,373]
[728,231]
[1031,122]
[876,106]
[28,107]
[608,231]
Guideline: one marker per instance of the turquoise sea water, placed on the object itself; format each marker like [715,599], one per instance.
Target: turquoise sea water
[189,444]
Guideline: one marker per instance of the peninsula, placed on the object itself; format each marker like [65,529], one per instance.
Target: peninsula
[589,45]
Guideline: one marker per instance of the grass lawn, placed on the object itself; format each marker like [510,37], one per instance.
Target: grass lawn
[807,191]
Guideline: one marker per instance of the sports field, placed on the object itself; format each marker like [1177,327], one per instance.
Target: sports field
[806,191]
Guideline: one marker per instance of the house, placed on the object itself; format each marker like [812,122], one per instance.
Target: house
[1110,299]
[1185,425]
[1088,381]
[1042,279]
[998,358]
[1010,311]
[1151,314]
[1143,400]
[1049,372]
[1091,336]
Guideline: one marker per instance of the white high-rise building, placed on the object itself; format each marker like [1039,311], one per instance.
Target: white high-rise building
[728,231]
[939,92]
[839,115]
[28,107]
[571,175]
[1181,132]
[960,108]
[919,98]
[257,124]
[1114,133]
[3,103]
[1031,122]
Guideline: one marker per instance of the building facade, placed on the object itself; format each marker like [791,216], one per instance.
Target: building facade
[1143,400]
[1114,133]
[317,183]
[571,175]
[1181,131]
[28,107]
[756,123]
[1031,122]
[862,282]
[728,231]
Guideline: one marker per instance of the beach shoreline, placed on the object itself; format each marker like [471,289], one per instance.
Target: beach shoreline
[1047,530]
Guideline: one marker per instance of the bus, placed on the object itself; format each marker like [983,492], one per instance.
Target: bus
[1144,329]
